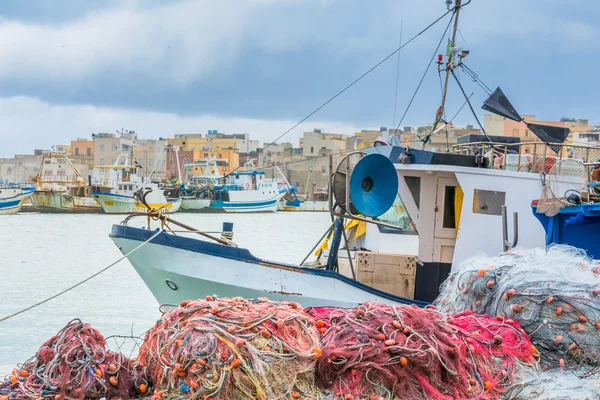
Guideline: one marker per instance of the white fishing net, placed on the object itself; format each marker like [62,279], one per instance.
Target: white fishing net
[555,384]
[554,294]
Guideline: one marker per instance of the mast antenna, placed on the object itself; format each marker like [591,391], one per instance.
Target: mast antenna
[452,63]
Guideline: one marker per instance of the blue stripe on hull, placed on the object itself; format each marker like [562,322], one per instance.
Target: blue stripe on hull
[240,254]
[247,205]
[9,204]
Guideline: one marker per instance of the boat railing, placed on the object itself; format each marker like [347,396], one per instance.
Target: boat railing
[536,157]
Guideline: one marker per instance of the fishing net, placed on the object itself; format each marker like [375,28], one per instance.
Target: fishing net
[75,364]
[377,351]
[553,294]
[232,349]
[556,384]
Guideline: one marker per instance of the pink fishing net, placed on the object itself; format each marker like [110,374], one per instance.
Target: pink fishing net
[74,364]
[379,351]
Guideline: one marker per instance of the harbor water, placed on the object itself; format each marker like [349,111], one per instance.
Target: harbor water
[42,254]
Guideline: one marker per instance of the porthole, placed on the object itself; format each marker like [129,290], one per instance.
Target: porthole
[171,284]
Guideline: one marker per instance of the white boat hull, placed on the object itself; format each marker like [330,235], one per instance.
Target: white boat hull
[177,268]
[11,200]
[118,204]
[194,204]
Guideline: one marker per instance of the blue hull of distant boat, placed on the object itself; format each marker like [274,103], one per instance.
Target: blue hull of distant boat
[577,226]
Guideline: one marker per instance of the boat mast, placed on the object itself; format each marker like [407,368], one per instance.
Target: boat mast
[177,161]
[450,65]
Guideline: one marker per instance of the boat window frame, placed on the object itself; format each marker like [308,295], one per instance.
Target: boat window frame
[398,231]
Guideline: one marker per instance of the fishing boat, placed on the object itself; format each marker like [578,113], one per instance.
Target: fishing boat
[249,191]
[198,187]
[318,202]
[123,200]
[12,198]
[403,218]
[123,182]
[60,187]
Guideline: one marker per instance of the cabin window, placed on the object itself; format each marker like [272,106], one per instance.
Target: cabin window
[488,202]
[414,185]
[449,214]
[397,216]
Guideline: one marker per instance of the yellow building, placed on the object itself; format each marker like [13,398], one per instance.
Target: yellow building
[82,147]
[196,148]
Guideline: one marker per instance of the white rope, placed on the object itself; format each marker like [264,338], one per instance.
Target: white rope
[82,282]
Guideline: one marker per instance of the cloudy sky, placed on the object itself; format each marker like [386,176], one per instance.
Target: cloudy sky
[69,68]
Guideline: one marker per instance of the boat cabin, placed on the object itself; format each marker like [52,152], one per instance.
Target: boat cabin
[449,206]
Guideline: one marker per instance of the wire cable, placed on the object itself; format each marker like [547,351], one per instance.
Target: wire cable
[397,77]
[79,283]
[427,69]
[470,106]
[476,78]
[357,79]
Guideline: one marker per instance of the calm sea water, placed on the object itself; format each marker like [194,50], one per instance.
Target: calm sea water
[41,254]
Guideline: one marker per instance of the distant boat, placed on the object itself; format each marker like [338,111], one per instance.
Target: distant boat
[249,191]
[197,190]
[62,192]
[12,197]
[291,202]
[123,200]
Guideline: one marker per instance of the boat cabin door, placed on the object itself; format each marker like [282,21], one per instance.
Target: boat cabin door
[445,220]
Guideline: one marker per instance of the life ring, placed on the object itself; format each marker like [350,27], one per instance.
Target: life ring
[247,186]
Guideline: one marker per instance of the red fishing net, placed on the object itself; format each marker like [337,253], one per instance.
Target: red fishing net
[73,364]
[379,351]
[233,349]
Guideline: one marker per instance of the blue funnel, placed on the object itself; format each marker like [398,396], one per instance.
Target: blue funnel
[373,185]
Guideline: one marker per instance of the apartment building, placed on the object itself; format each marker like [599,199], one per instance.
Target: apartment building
[108,146]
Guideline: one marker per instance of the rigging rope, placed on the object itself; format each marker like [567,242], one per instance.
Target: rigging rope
[397,77]
[476,78]
[470,106]
[354,82]
[79,283]
[427,69]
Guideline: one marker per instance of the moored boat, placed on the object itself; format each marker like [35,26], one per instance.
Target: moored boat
[248,191]
[123,200]
[318,202]
[419,213]
[58,191]
[12,198]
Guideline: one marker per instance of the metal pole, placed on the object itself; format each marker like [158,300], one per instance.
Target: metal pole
[315,246]
[348,252]
[449,67]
